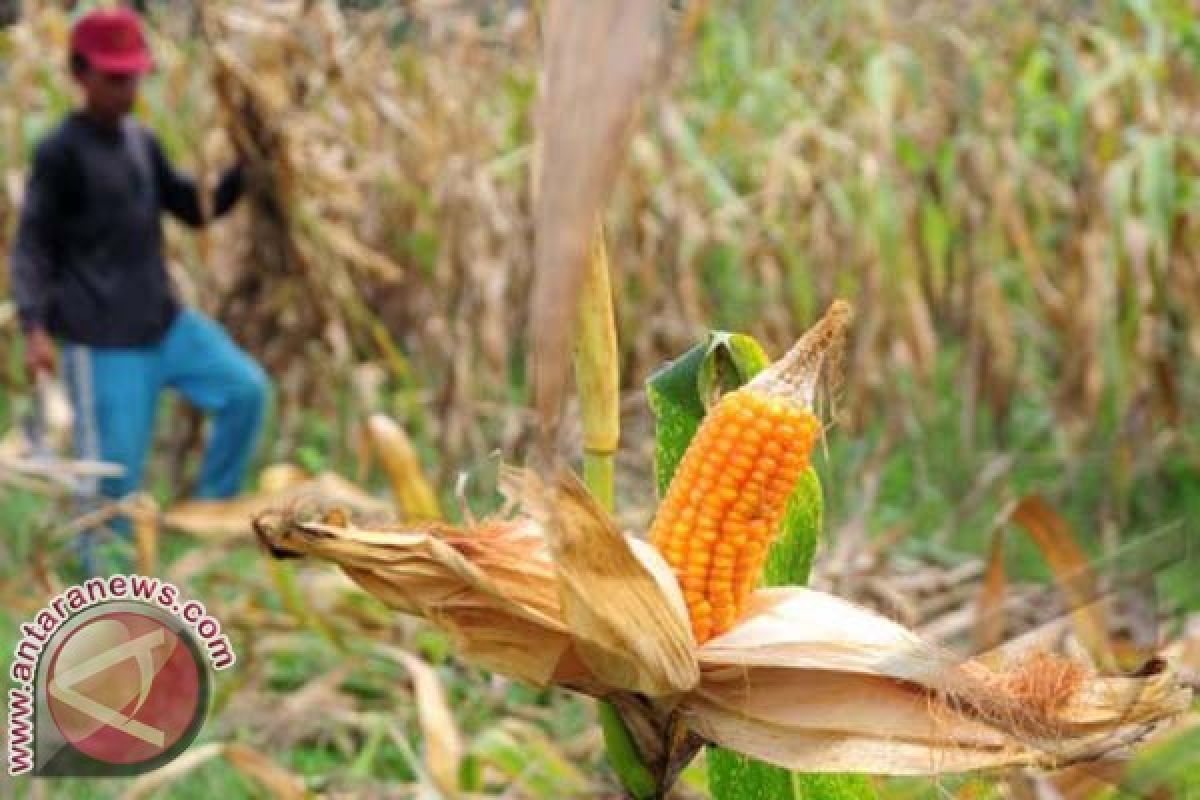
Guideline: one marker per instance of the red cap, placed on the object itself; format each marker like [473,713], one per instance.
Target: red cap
[112,41]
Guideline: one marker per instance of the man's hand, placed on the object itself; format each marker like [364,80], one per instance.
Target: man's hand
[39,353]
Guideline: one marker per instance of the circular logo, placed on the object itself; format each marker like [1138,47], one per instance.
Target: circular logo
[127,687]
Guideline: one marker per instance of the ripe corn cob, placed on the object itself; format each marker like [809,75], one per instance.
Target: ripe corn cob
[728,497]
[725,503]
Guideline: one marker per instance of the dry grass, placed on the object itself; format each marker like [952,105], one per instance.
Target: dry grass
[1013,194]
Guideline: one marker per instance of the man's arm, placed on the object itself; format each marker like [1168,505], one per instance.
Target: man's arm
[179,194]
[33,250]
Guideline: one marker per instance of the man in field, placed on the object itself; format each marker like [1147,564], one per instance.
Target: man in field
[88,271]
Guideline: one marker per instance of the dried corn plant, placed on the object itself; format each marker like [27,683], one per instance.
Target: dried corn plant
[553,593]
[288,92]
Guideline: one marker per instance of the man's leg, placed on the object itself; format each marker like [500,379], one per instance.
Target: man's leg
[205,366]
[114,393]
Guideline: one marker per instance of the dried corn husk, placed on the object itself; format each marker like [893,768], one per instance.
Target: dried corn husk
[883,700]
[603,583]
[806,680]
[492,588]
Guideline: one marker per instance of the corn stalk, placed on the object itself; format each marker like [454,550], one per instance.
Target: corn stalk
[596,376]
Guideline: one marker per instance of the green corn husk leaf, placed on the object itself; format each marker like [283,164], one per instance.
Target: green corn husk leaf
[681,391]
[680,394]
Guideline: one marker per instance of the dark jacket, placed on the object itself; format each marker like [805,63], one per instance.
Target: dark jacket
[88,259]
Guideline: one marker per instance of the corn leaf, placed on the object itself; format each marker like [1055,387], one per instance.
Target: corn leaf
[1078,581]
[989,620]
[679,395]
[599,58]
[679,390]
[533,764]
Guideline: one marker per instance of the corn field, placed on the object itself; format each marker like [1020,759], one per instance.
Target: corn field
[1012,195]
[1007,193]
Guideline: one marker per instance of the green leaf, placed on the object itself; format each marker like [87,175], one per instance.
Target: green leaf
[733,775]
[791,556]
[680,391]
[935,233]
[532,763]
[679,394]
[1165,767]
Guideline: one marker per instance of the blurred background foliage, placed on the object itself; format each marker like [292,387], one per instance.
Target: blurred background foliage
[1009,193]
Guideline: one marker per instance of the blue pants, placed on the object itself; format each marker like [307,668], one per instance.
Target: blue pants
[115,390]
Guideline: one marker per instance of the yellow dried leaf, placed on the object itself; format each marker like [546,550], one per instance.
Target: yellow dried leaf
[143,513]
[150,783]
[234,518]
[280,477]
[443,745]
[596,356]
[599,59]
[1074,574]
[277,781]
[989,608]
[413,493]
